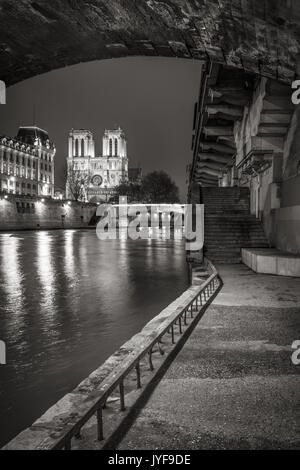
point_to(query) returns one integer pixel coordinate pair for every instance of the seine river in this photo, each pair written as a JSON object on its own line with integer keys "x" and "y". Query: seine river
{"x": 68, "y": 301}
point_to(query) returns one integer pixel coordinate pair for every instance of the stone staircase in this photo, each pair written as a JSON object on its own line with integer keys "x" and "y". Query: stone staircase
{"x": 228, "y": 224}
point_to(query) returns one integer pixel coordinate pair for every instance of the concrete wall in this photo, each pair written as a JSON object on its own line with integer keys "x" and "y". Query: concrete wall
{"x": 287, "y": 229}
{"x": 50, "y": 214}
{"x": 291, "y": 150}
{"x": 287, "y": 217}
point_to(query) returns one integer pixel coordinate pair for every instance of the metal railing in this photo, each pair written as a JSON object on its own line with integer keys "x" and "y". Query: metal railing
{"x": 61, "y": 438}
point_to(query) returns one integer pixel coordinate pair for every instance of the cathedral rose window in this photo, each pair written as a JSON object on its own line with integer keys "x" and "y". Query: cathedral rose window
{"x": 97, "y": 180}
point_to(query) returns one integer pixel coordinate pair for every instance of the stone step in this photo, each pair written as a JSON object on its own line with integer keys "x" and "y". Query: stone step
{"x": 272, "y": 129}
{"x": 223, "y": 201}
{"x": 231, "y": 227}
{"x": 228, "y": 190}
{"x": 233, "y": 244}
{"x": 240, "y": 239}
{"x": 233, "y": 234}
{"x": 219, "y": 209}
{"x": 223, "y": 197}
{"x": 278, "y": 89}
{"x": 232, "y": 224}
{"x": 233, "y": 221}
{"x": 228, "y": 224}
{"x": 219, "y": 218}
{"x": 233, "y": 240}
{"x": 232, "y": 230}
{"x": 224, "y": 256}
{"x": 233, "y": 208}
{"x": 217, "y": 214}
{"x": 236, "y": 240}
{"x": 278, "y": 103}
{"x": 222, "y": 261}
{"x": 238, "y": 215}
{"x": 275, "y": 118}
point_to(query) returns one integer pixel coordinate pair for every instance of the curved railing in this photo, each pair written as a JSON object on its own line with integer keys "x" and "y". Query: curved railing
{"x": 61, "y": 435}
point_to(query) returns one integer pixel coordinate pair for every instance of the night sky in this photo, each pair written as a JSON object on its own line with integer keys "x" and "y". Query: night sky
{"x": 152, "y": 99}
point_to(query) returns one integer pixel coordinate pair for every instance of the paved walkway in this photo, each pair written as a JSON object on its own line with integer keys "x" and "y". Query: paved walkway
{"x": 233, "y": 385}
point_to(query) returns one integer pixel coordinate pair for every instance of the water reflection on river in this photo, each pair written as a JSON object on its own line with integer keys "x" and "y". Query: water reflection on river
{"x": 69, "y": 300}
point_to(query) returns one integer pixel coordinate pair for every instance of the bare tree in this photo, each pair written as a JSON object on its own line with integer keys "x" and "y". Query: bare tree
{"x": 78, "y": 183}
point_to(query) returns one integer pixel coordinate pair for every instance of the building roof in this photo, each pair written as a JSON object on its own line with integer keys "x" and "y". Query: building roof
{"x": 29, "y": 135}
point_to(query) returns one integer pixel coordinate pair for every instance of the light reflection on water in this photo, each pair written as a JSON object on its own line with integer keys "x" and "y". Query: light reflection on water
{"x": 68, "y": 301}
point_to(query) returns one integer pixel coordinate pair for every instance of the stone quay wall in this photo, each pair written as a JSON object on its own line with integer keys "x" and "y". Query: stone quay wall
{"x": 32, "y": 213}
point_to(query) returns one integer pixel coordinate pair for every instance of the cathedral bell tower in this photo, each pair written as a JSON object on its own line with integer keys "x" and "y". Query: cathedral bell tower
{"x": 81, "y": 144}
{"x": 114, "y": 144}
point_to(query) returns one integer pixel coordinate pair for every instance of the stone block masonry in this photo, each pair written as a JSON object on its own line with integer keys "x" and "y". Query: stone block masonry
{"x": 271, "y": 261}
{"x": 31, "y": 213}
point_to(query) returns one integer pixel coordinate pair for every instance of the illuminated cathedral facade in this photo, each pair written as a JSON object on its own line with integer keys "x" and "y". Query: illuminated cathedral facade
{"x": 100, "y": 173}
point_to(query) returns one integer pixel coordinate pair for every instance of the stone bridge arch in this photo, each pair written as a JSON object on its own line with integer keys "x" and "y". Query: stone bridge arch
{"x": 260, "y": 36}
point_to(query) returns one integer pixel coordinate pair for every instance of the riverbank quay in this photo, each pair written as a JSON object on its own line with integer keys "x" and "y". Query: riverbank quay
{"x": 19, "y": 212}
{"x": 92, "y": 414}
{"x": 234, "y": 384}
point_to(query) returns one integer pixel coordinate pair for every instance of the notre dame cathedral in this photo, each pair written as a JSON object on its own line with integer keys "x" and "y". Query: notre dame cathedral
{"x": 105, "y": 171}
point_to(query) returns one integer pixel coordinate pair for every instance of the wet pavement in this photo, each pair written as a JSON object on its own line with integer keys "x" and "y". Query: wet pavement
{"x": 233, "y": 385}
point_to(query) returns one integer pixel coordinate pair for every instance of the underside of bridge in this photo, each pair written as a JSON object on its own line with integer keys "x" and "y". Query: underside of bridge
{"x": 259, "y": 36}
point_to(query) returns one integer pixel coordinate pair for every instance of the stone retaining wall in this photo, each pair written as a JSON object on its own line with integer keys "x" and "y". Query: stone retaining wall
{"x": 31, "y": 213}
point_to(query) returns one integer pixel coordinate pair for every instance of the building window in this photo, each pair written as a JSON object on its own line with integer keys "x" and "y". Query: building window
{"x": 18, "y": 207}
{"x": 4, "y": 156}
{"x": 110, "y": 147}
{"x": 82, "y": 147}
{"x": 116, "y": 147}
{"x": 76, "y": 148}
